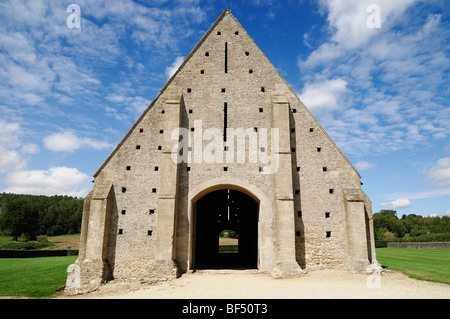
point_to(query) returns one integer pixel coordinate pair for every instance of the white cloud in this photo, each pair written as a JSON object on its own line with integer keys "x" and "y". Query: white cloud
{"x": 440, "y": 173}
{"x": 398, "y": 203}
{"x": 10, "y": 160}
{"x": 348, "y": 18}
{"x": 116, "y": 98}
{"x": 30, "y": 148}
{"x": 324, "y": 95}
{"x": 54, "y": 181}
{"x": 62, "y": 142}
{"x": 421, "y": 195}
{"x": 174, "y": 67}
{"x": 9, "y": 134}
{"x": 67, "y": 141}
{"x": 446, "y": 213}
{"x": 133, "y": 106}
{"x": 137, "y": 105}
{"x": 432, "y": 22}
{"x": 72, "y": 79}
{"x": 362, "y": 165}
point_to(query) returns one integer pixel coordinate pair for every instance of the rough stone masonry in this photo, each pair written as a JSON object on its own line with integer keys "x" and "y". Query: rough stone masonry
{"x": 226, "y": 145}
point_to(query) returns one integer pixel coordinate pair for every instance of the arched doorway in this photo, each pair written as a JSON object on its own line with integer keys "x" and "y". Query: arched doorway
{"x": 226, "y": 230}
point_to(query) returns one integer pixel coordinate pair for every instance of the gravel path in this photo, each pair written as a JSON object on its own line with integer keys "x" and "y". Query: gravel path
{"x": 323, "y": 284}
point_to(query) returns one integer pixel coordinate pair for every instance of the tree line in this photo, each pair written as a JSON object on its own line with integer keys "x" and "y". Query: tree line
{"x": 388, "y": 227}
{"x": 29, "y": 216}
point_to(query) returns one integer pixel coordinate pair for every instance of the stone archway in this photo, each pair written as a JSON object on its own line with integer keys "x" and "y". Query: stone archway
{"x": 266, "y": 231}
{"x": 231, "y": 210}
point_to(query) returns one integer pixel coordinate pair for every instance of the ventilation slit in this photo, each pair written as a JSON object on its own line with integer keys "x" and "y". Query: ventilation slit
{"x": 226, "y": 57}
{"x": 225, "y": 121}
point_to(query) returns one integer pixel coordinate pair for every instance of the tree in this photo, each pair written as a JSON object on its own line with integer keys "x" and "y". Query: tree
{"x": 412, "y": 225}
{"x": 387, "y": 221}
{"x": 20, "y": 217}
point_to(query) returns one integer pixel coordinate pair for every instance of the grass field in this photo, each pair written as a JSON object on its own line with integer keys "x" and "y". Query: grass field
{"x": 423, "y": 264}
{"x": 33, "y": 277}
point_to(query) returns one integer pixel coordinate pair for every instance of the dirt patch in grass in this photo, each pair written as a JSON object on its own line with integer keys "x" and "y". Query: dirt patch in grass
{"x": 65, "y": 242}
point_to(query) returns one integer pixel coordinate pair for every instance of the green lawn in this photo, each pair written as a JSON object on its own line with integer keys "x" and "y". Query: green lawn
{"x": 33, "y": 277}
{"x": 423, "y": 264}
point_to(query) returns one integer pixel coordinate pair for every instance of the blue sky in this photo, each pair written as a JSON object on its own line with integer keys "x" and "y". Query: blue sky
{"x": 69, "y": 95}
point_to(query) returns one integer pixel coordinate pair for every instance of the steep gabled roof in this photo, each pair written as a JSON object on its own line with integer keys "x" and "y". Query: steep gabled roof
{"x": 225, "y": 12}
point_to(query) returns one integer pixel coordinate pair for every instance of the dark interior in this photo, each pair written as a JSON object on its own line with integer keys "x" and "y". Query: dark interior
{"x": 226, "y": 209}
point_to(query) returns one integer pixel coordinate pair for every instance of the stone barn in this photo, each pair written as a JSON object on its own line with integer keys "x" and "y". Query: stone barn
{"x": 225, "y": 169}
